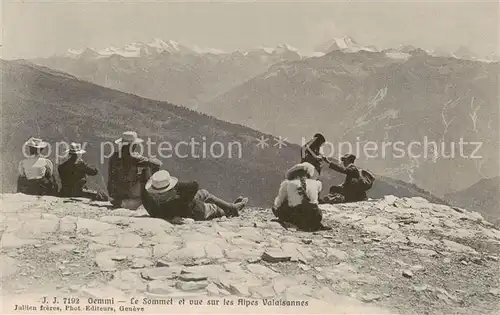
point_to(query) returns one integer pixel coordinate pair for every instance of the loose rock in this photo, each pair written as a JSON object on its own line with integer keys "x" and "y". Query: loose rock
{"x": 192, "y": 277}
{"x": 191, "y": 286}
{"x": 119, "y": 258}
{"x": 159, "y": 287}
{"x": 370, "y": 298}
{"x": 275, "y": 256}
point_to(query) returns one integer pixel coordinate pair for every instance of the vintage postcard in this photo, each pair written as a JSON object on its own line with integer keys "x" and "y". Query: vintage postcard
{"x": 254, "y": 157}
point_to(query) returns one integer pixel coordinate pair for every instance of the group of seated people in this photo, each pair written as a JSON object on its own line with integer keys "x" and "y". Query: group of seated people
{"x": 135, "y": 180}
{"x": 38, "y": 177}
{"x": 299, "y": 194}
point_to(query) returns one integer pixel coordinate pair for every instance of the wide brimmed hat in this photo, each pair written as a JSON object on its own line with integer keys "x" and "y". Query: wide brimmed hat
{"x": 350, "y": 157}
{"x": 129, "y": 137}
{"x": 36, "y": 143}
{"x": 161, "y": 181}
{"x": 307, "y": 167}
{"x": 75, "y": 148}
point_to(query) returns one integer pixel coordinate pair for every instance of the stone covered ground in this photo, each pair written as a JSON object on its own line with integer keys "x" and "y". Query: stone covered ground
{"x": 395, "y": 255}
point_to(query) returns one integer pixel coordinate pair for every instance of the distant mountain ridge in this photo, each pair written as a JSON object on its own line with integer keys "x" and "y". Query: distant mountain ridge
{"x": 158, "y": 46}
{"x": 368, "y": 96}
{"x": 345, "y": 44}
{"x": 483, "y": 197}
{"x": 167, "y": 70}
{"x": 58, "y": 107}
{"x": 135, "y": 49}
{"x": 223, "y": 85}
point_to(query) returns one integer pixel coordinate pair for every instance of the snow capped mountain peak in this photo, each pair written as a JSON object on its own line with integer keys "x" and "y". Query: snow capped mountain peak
{"x": 440, "y": 52}
{"x": 344, "y": 44}
{"x": 109, "y": 51}
{"x": 265, "y": 49}
{"x": 81, "y": 53}
{"x": 158, "y": 42}
{"x": 284, "y": 51}
{"x": 76, "y": 51}
{"x": 161, "y": 46}
{"x": 73, "y": 53}
{"x": 287, "y": 52}
{"x": 464, "y": 52}
{"x": 214, "y": 51}
{"x": 286, "y": 47}
{"x": 134, "y": 49}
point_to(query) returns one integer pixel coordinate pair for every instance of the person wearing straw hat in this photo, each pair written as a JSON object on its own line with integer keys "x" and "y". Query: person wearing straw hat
{"x": 357, "y": 181}
{"x": 73, "y": 173}
{"x": 297, "y": 200}
{"x": 167, "y": 198}
{"x": 36, "y": 173}
{"x": 128, "y": 172}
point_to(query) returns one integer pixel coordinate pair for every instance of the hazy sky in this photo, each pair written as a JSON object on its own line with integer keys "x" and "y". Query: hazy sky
{"x": 38, "y": 28}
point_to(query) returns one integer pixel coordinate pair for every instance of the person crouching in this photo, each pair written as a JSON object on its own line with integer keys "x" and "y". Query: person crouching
{"x": 297, "y": 200}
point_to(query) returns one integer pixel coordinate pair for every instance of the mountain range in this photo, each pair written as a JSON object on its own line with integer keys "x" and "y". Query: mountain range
{"x": 171, "y": 71}
{"x": 167, "y": 70}
{"x": 345, "y": 44}
{"x": 38, "y": 101}
{"x": 369, "y": 97}
{"x": 352, "y": 91}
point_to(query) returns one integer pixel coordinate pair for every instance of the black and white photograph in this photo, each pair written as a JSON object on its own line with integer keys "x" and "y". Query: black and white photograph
{"x": 253, "y": 157}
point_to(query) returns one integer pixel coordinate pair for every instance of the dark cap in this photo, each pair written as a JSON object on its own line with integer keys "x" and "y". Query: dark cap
{"x": 350, "y": 157}
{"x": 320, "y": 137}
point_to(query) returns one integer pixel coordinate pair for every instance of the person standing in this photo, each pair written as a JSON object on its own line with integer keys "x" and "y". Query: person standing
{"x": 311, "y": 152}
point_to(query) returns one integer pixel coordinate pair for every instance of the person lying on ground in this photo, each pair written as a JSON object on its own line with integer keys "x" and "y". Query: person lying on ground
{"x": 297, "y": 200}
{"x": 36, "y": 173}
{"x": 166, "y": 198}
{"x": 73, "y": 174}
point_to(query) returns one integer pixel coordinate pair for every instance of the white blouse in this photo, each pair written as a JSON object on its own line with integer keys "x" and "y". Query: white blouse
{"x": 289, "y": 191}
{"x": 35, "y": 167}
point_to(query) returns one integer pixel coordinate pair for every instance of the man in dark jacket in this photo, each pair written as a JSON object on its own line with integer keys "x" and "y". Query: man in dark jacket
{"x": 128, "y": 172}
{"x": 352, "y": 189}
{"x": 311, "y": 154}
{"x": 166, "y": 198}
{"x": 73, "y": 173}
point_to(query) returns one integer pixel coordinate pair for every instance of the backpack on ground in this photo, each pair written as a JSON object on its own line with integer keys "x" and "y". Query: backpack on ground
{"x": 366, "y": 179}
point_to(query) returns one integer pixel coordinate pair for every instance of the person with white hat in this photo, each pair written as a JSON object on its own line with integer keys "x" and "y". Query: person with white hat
{"x": 167, "y": 198}
{"x": 128, "y": 172}
{"x": 73, "y": 173}
{"x": 297, "y": 200}
{"x": 36, "y": 173}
